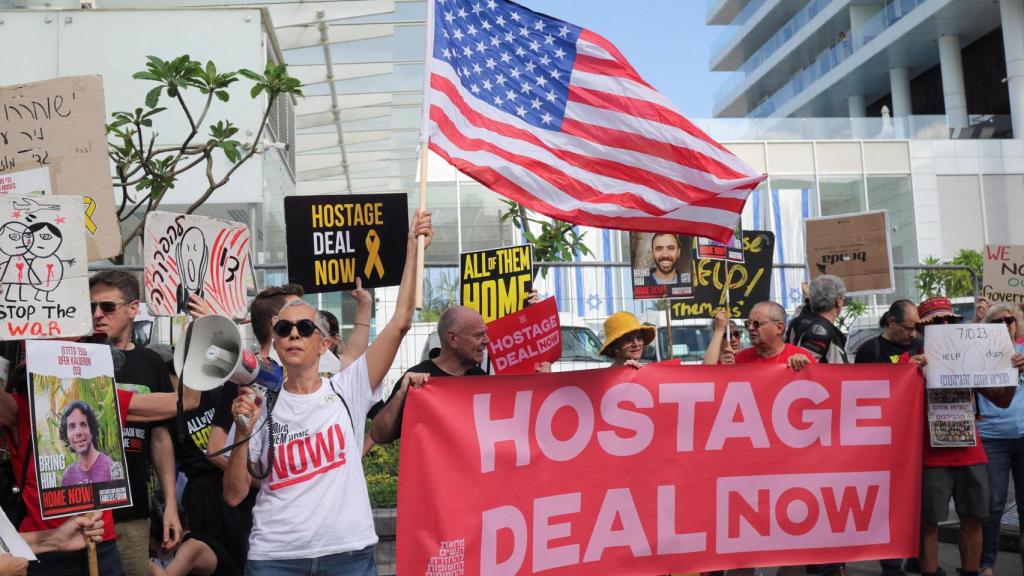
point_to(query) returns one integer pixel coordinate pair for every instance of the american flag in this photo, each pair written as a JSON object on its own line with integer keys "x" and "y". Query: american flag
{"x": 552, "y": 116}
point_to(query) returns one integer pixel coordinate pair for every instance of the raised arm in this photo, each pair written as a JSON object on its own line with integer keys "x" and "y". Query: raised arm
{"x": 360, "y": 336}
{"x": 160, "y": 405}
{"x": 718, "y": 336}
{"x": 382, "y": 353}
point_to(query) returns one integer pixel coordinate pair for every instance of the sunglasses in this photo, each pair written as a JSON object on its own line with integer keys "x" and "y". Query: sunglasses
{"x": 756, "y": 324}
{"x": 107, "y": 306}
{"x": 306, "y": 327}
{"x": 940, "y": 320}
{"x": 1009, "y": 321}
{"x": 734, "y": 335}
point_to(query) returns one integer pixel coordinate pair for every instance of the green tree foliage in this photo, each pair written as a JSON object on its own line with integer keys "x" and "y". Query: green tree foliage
{"x": 553, "y": 240}
{"x": 381, "y": 468}
{"x": 949, "y": 283}
{"x": 145, "y": 174}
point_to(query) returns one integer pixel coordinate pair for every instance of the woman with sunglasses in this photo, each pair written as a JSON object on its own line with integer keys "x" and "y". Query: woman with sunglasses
{"x": 1002, "y": 436}
{"x": 312, "y": 512}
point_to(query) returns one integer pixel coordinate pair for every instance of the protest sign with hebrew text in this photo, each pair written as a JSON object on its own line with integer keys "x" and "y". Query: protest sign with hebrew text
{"x": 521, "y": 340}
{"x": 44, "y": 279}
{"x": 969, "y": 356}
{"x": 662, "y": 469}
{"x": 189, "y": 254}
{"x": 854, "y": 247}
{"x": 496, "y": 282}
{"x": 76, "y": 428}
{"x": 60, "y": 124}
{"x": 334, "y": 239}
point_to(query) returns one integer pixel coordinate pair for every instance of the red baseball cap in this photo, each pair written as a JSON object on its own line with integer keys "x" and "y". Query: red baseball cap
{"x": 933, "y": 308}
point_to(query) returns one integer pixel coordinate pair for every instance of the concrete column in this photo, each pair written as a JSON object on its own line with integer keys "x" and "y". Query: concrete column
{"x": 899, "y": 82}
{"x": 953, "y": 90}
{"x": 856, "y": 105}
{"x": 1012, "y": 16}
{"x": 859, "y": 14}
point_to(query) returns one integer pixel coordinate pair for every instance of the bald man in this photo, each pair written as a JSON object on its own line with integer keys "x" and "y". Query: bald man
{"x": 464, "y": 339}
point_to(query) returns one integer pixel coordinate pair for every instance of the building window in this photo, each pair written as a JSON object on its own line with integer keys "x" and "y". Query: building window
{"x": 962, "y": 225}
{"x": 893, "y": 194}
{"x": 1003, "y": 209}
{"x": 841, "y": 194}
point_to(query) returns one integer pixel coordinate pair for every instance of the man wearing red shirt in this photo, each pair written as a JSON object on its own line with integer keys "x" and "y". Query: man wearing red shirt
{"x": 766, "y": 325}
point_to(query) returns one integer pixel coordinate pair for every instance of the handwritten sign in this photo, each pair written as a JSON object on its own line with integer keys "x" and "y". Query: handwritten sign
{"x": 496, "y": 282}
{"x": 334, "y": 239}
{"x": 1003, "y": 273}
{"x": 969, "y": 356}
{"x": 188, "y": 254}
{"x": 61, "y": 125}
{"x": 43, "y": 271}
{"x": 523, "y": 339}
{"x": 854, "y": 247}
{"x": 717, "y": 283}
{"x": 76, "y": 420}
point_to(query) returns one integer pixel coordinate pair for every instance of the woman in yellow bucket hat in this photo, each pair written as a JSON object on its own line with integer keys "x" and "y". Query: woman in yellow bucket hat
{"x": 625, "y": 338}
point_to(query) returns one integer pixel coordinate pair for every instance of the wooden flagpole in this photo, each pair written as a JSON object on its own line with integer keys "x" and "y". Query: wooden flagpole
{"x": 420, "y": 242}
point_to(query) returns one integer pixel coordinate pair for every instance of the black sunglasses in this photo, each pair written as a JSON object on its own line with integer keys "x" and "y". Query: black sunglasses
{"x": 306, "y": 327}
{"x": 939, "y": 320}
{"x": 107, "y": 306}
{"x": 735, "y": 335}
{"x": 1009, "y": 320}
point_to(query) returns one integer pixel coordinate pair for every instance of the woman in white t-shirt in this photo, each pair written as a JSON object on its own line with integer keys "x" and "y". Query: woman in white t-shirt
{"x": 312, "y": 513}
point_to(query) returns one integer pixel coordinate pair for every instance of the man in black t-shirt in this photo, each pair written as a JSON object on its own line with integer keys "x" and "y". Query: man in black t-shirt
{"x": 898, "y": 337}
{"x": 115, "y": 302}
{"x": 464, "y": 339}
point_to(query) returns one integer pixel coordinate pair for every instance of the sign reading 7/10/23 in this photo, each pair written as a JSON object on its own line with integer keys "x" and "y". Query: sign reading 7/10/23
{"x": 334, "y": 239}
{"x": 496, "y": 282}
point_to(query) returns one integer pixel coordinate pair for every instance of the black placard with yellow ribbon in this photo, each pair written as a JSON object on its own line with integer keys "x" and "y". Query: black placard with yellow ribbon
{"x": 333, "y": 239}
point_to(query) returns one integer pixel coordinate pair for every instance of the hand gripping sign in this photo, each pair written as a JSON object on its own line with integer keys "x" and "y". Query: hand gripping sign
{"x": 662, "y": 469}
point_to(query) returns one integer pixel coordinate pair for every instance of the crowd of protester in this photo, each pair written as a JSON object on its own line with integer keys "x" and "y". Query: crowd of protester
{"x": 228, "y": 499}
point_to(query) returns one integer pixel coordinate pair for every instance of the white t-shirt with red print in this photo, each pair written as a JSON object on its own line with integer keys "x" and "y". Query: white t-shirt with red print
{"x": 314, "y": 502}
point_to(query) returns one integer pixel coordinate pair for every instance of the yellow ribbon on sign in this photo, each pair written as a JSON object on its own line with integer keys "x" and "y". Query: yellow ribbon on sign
{"x": 373, "y": 260}
{"x": 90, "y": 209}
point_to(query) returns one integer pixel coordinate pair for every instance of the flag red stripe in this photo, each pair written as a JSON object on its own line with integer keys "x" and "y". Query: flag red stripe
{"x": 510, "y": 189}
{"x": 597, "y": 39}
{"x": 594, "y": 65}
{"x": 557, "y": 178}
{"x": 640, "y": 108}
{"x": 676, "y": 188}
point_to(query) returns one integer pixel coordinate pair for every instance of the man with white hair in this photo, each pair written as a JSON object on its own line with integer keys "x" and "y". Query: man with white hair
{"x": 814, "y": 328}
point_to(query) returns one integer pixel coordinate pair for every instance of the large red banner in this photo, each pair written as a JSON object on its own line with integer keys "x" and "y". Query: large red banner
{"x": 662, "y": 469}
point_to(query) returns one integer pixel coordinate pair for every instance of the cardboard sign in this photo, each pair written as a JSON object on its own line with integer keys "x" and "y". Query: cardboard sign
{"x": 748, "y": 283}
{"x": 334, "y": 239}
{"x": 854, "y": 247}
{"x": 43, "y": 269}
{"x": 496, "y": 282}
{"x": 951, "y": 421}
{"x": 662, "y": 469}
{"x": 61, "y": 125}
{"x": 521, "y": 340}
{"x": 1003, "y": 273}
{"x": 969, "y": 356}
{"x": 76, "y": 420}
{"x": 662, "y": 265}
{"x": 188, "y": 254}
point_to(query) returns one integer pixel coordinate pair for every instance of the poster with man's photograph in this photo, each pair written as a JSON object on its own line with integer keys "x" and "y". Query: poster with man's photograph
{"x": 951, "y": 420}
{"x": 662, "y": 265}
{"x": 76, "y": 428}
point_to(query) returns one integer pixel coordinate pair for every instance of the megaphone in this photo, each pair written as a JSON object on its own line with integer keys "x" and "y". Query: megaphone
{"x": 212, "y": 354}
{"x": 213, "y": 347}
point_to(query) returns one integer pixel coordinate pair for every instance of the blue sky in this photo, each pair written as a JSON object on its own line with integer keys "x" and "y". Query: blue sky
{"x": 665, "y": 40}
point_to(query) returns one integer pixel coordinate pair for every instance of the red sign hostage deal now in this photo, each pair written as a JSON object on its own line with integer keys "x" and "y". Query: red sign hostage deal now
{"x": 526, "y": 338}
{"x": 664, "y": 469}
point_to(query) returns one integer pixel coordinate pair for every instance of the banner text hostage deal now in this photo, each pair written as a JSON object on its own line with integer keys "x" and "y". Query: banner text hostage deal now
{"x": 662, "y": 469}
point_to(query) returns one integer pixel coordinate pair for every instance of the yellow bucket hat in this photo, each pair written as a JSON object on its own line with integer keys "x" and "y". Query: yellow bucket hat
{"x": 621, "y": 323}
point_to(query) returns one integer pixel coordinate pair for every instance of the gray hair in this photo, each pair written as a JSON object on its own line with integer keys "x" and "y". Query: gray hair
{"x": 1002, "y": 308}
{"x": 318, "y": 318}
{"x": 824, "y": 291}
{"x": 774, "y": 310}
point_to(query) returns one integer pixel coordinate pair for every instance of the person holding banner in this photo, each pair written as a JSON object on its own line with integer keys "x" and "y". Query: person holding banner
{"x": 898, "y": 338}
{"x": 766, "y": 325}
{"x": 814, "y": 328}
{"x": 315, "y": 512}
{"x": 1002, "y": 436}
{"x": 624, "y": 339}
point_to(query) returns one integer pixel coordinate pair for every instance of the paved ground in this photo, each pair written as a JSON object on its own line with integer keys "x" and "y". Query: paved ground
{"x": 1007, "y": 563}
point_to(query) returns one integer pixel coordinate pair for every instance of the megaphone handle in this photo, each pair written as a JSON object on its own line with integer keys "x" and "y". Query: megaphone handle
{"x": 241, "y": 420}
